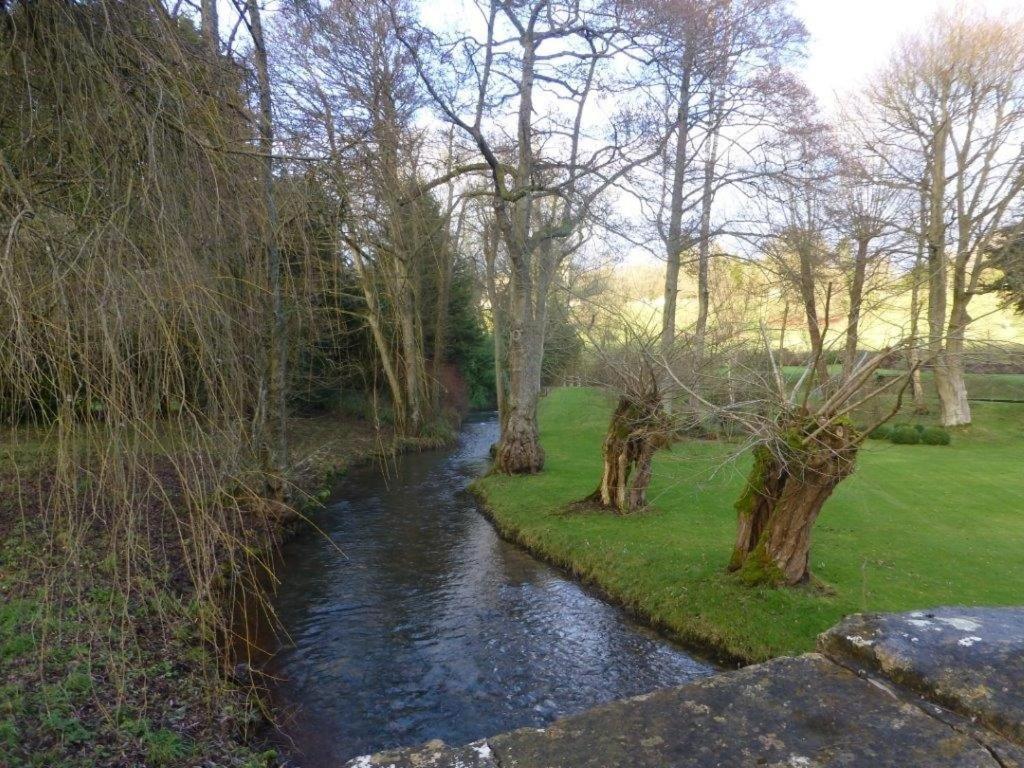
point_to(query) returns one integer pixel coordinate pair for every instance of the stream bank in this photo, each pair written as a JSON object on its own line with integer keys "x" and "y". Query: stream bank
{"x": 411, "y": 619}
{"x": 73, "y": 694}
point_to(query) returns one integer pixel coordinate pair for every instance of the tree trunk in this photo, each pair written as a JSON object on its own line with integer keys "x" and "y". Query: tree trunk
{"x": 914, "y": 348}
{"x": 519, "y": 451}
{"x": 674, "y": 241}
{"x": 373, "y": 315}
{"x": 760, "y": 495}
{"x": 704, "y": 248}
{"x": 781, "y": 502}
{"x": 405, "y": 306}
{"x": 628, "y": 452}
{"x": 499, "y": 327}
{"x": 807, "y": 295}
{"x": 949, "y": 369}
{"x": 275, "y": 445}
{"x": 945, "y": 367}
{"x": 949, "y": 381}
{"x": 856, "y": 298}
{"x": 210, "y": 29}
{"x": 949, "y": 373}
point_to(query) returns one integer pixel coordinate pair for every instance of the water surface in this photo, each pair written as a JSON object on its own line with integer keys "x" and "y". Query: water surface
{"x": 412, "y": 620}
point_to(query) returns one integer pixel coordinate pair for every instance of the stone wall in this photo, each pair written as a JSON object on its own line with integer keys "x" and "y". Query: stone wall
{"x": 934, "y": 689}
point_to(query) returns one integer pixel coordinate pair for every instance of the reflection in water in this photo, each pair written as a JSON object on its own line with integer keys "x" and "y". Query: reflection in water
{"x": 416, "y": 622}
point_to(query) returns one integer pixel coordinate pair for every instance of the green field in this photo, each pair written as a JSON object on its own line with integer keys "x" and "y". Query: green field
{"x": 914, "y": 527}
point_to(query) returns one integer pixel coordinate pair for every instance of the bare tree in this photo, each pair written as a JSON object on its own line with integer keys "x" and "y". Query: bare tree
{"x": 953, "y": 97}
{"x": 353, "y": 95}
{"x": 798, "y": 192}
{"x": 868, "y": 215}
{"x": 716, "y": 61}
{"x": 539, "y": 69}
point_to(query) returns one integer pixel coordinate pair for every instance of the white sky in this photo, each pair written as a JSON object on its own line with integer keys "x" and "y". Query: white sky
{"x": 852, "y": 38}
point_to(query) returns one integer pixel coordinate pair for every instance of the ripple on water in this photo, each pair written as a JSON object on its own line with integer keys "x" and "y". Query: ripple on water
{"x": 426, "y": 625}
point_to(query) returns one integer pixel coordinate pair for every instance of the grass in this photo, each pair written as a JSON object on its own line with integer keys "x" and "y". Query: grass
{"x": 914, "y": 527}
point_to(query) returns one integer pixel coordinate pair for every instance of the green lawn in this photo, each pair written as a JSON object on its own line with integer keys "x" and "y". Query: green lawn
{"x": 915, "y": 526}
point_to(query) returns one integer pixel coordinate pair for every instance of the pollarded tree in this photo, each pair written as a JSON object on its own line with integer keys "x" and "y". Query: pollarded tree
{"x": 802, "y": 451}
{"x": 640, "y": 425}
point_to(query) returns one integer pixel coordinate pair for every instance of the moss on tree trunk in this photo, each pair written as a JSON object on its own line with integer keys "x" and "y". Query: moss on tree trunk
{"x": 790, "y": 481}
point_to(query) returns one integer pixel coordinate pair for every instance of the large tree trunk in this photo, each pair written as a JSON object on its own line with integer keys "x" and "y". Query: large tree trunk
{"x": 914, "y": 348}
{"x": 499, "y": 326}
{"x": 860, "y": 264}
{"x": 949, "y": 374}
{"x": 760, "y": 495}
{"x": 519, "y": 450}
{"x": 949, "y": 368}
{"x": 782, "y": 501}
{"x": 947, "y": 363}
{"x": 274, "y": 444}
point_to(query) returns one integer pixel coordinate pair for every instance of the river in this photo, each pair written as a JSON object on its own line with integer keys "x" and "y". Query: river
{"x": 409, "y": 619}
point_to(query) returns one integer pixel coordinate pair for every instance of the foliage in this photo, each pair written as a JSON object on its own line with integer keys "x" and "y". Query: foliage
{"x": 1008, "y": 260}
{"x": 905, "y": 434}
{"x": 470, "y": 346}
{"x": 935, "y": 436}
{"x": 881, "y": 432}
{"x": 562, "y": 342}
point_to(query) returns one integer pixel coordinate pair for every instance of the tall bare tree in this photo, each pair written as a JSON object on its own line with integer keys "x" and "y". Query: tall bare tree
{"x": 953, "y": 97}
{"x": 716, "y": 60}
{"x": 353, "y": 95}
{"x": 867, "y": 212}
{"x": 525, "y": 97}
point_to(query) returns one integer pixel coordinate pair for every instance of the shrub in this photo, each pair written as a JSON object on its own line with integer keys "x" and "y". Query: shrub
{"x": 935, "y": 436}
{"x": 881, "y": 432}
{"x": 919, "y": 428}
{"x": 905, "y": 435}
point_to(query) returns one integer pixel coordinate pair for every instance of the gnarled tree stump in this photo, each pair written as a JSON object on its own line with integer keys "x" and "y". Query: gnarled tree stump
{"x": 792, "y": 477}
{"x": 638, "y": 428}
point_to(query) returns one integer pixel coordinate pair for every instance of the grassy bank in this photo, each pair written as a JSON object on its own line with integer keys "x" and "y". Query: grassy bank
{"x": 94, "y": 674}
{"x": 915, "y": 526}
